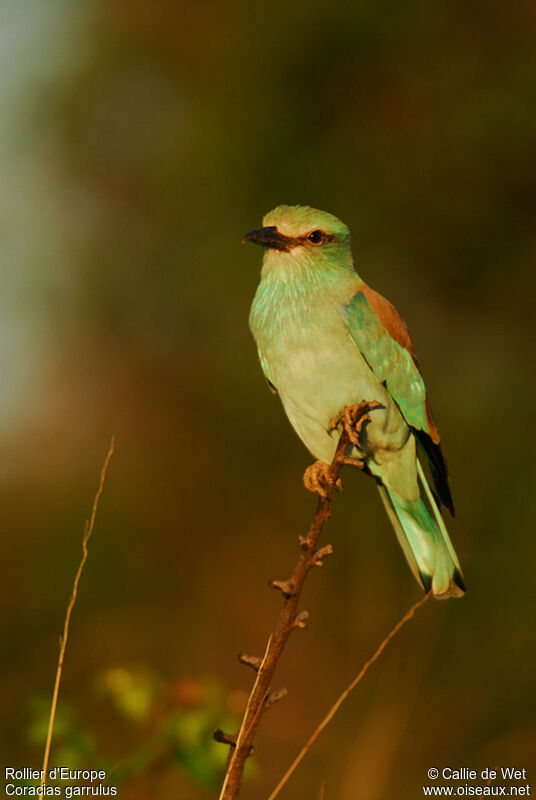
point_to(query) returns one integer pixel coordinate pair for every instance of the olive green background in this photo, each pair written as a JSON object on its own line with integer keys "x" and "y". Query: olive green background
{"x": 139, "y": 142}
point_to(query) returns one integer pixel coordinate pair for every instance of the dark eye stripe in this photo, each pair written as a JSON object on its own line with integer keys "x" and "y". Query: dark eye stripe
{"x": 288, "y": 242}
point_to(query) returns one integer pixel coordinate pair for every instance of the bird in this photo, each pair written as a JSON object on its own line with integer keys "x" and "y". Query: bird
{"x": 329, "y": 345}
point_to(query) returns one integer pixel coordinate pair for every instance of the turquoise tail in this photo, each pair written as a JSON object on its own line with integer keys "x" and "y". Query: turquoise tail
{"x": 424, "y": 539}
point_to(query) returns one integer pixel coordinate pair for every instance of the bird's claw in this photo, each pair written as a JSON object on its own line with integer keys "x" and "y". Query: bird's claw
{"x": 318, "y": 478}
{"x": 353, "y": 418}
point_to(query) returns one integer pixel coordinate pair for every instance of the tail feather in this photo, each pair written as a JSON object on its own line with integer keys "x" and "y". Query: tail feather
{"x": 424, "y": 539}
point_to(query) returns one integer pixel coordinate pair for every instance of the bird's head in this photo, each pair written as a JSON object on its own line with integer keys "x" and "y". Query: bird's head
{"x": 301, "y": 236}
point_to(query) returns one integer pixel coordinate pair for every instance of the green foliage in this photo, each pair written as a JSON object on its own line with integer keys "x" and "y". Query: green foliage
{"x": 74, "y": 744}
{"x": 167, "y": 725}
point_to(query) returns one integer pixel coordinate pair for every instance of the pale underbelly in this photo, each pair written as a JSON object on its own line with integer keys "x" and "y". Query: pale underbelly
{"x": 316, "y": 383}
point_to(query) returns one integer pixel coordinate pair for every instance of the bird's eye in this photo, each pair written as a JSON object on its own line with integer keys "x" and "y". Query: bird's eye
{"x": 316, "y": 237}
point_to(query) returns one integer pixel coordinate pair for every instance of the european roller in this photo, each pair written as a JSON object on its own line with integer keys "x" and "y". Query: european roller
{"x": 328, "y": 342}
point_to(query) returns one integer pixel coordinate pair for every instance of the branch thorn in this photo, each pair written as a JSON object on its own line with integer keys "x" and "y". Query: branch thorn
{"x": 300, "y": 620}
{"x": 224, "y": 738}
{"x": 285, "y": 587}
{"x": 228, "y": 738}
{"x": 321, "y": 553}
{"x": 250, "y": 661}
{"x": 273, "y": 697}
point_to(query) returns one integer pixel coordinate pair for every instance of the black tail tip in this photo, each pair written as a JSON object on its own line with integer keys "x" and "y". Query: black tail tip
{"x": 458, "y": 580}
{"x": 426, "y": 581}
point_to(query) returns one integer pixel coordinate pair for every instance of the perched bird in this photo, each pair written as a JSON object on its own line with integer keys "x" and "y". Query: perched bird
{"x": 327, "y": 341}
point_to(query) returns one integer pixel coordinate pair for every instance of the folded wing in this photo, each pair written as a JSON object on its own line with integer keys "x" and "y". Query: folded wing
{"x": 382, "y": 337}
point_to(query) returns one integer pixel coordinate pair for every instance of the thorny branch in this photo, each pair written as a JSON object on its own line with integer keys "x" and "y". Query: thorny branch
{"x": 322, "y": 481}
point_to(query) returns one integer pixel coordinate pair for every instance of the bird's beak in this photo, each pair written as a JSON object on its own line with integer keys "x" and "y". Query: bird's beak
{"x": 267, "y": 237}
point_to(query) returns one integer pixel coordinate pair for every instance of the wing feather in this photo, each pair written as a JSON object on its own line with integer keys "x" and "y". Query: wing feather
{"x": 382, "y": 336}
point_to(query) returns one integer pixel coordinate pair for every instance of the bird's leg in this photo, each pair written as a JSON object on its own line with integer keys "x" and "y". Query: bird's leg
{"x": 352, "y": 419}
{"x": 319, "y": 479}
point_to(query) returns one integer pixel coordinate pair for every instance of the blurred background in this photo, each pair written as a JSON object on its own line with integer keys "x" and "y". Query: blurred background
{"x": 139, "y": 141}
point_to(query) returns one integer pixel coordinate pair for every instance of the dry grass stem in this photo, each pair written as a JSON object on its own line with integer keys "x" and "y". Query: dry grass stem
{"x": 340, "y": 700}
{"x": 88, "y": 530}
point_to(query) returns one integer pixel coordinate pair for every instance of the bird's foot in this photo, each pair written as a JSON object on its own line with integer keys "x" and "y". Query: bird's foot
{"x": 318, "y": 478}
{"x": 353, "y": 418}
{"x": 348, "y": 461}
